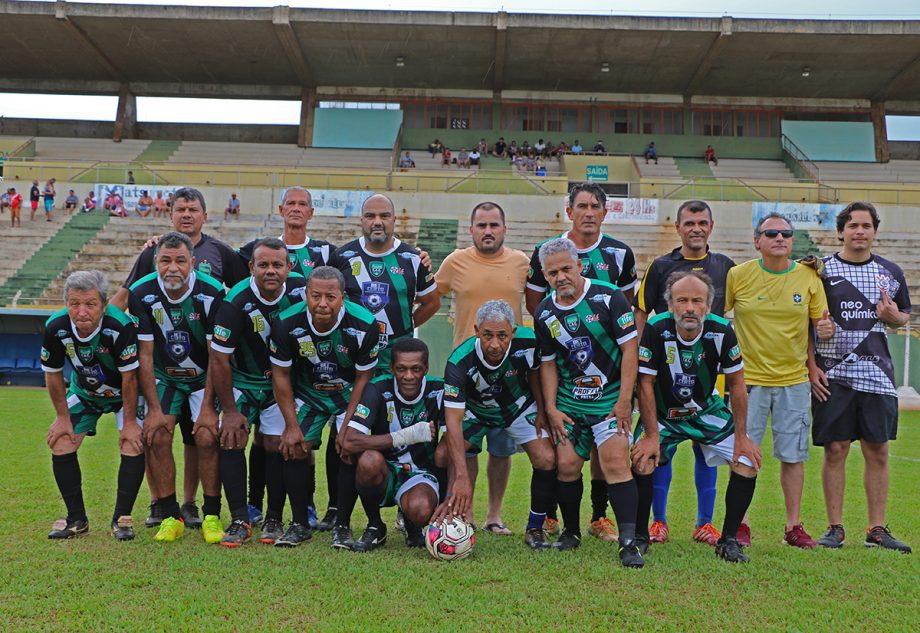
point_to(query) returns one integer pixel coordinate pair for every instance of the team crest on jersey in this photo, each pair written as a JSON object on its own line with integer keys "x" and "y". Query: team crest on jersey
{"x": 683, "y": 386}
{"x": 178, "y": 345}
{"x": 580, "y": 351}
{"x": 324, "y": 348}
{"x": 375, "y": 295}
{"x": 796, "y": 297}
{"x": 883, "y": 283}
{"x": 85, "y": 353}
{"x": 585, "y": 266}
{"x": 376, "y": 268}
{"x": 175, "y": 315}
{"x": 686, "y": 358}
{"x": 406, "y": 417}
{"x": 205, "y": 267}
{"x": 572, "y": 323}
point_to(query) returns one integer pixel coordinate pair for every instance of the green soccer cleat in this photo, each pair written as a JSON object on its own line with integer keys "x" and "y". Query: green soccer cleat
{"x": 212, "y": 530}
{"x": 171, "y": 529}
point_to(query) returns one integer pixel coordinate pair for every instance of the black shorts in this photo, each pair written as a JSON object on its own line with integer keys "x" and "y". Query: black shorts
{"x": 849, "y": 415}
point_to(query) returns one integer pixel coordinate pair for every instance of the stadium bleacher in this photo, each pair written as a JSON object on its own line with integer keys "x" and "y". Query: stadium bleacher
{"x": 752, "y": 169}
{"x": 278, "y": 155}
{"x": 895, "y": 171}
{"x": 89, "y": 149}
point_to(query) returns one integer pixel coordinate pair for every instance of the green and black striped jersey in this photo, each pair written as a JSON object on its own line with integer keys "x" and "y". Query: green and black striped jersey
{"x": 686, "y": 371}
{"x": 383, "y": 410}
{"x": 324, "y": 364}
{"x": 496, "y": 395}
{"x": 609, "y": 260}
{"x": 584, "y": 339}
{"x": 243, "y": 327}
{"x": 304, "y": 257}
{"x": 387, "y": 285}
{"x": 97, "y": 360}
{"x": 180, "y": 330}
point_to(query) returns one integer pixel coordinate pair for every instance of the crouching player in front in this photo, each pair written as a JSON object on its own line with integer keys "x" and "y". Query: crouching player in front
{"x": 392, "y": 437}
{"x": 101, "y": 343}
{"x": 491, "y": 381}
{"x": 681, "y": 354}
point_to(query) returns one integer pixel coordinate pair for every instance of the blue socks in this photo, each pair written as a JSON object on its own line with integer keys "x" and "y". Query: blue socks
{"x": 705, "y": 478}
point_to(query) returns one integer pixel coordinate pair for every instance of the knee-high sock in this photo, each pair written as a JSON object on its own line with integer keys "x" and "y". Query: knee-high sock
{"x": 645, "y": 491}
{"x": 333, "y": 461}
{"x": 311, "y": 465}
{"x": 598, "y": 499}
{"x": 233, "y": 476}
{"x": 542, "y": 496}
{"x": 70, "y": 483}
{"x": 738, "y": 498}
{"x": 441, "y": 475}
{"x": 348, "y": 495}
{"x": 295, "y": 481}
{"x": 274, "y": 483}
{"x": 705, "y": 478}
{"x": 130, "y": 477}
{"x": 257, "y": 459}
{"x": 371, "y": 498}
{"x": 568, "y": 496}
{"x": 661, "y": 482}
{"x": 624, "y": 499}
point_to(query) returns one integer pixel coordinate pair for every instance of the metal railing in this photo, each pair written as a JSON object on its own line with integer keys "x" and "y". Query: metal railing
{"x": 806, "y": 164}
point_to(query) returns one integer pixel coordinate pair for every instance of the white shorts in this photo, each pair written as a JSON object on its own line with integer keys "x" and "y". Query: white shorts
{"x": 414, "y": 481}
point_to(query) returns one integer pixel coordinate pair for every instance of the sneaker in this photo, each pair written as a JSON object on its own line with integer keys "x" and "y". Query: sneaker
{"x": 311, "y": 517}
{"x": 238, "y": 533}
{"x": 658, "y": 533}
{"x": 294, "y": 535}
{"x": 833, "y": 537}
{"x": 374, "y": 536}
{"x": 63, "y": 528}
{"x": 642, "y": 542}
{"x": 535, "y": 538}
{"x": 551, "y": 527}
{"x": 328, "y": 520}
{"x": 798, "y": 537}
{"x": 400, "y": 523}
{"x": 630, "y": 555}
{"x": 567, "y": 540}
{"x": 342, "y": 538}
{"x": 743, "y": 535}
{"x": 603, "y": 529}
{"x": 415, "y": 538}
{"x": 123, "y": 528}
{"x": 155, "y": 516}
{"x": 170, "y": 530}
{"x": 272, "y": 530}
{"x": 881, "y": 537}
{"x": 255, "y": 515}
{"x": 730, "y": 550}
{"x": 212, "y": 530}
{"x": 190, "y": 515}
{"x": 707, "y": 534}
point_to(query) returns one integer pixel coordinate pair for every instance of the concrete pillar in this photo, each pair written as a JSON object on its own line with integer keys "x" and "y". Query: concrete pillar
{"x": 880, "y": 131}
{"x": 125, "y": 115}
{"x": 496, "y": 114}
{"x": 688, "y": 116}
{"x": 307, "y": 105}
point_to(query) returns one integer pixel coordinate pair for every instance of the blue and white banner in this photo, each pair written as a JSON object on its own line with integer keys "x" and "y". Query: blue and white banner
{"x": 638, "y": 210}
{"x": 336, "y": 201}
{"x": 130, "y": 194}
{"x": 803, "y": 215}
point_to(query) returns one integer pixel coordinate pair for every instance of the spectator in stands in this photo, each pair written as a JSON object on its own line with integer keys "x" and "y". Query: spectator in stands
{"x": 531, "y": 165}
{"x": 160, "y": 207}
{"x": 130, "y": 179}
{"x": 463, "y": 159}
{"x": 15, "y": 207}
{"x": 599, "y": 147}
{"x": 651, "y": 153}
{"x": 435, "y": 148}
{"x": 89, "y": 202}
{"x": 4, "y": 201}
{"x": 525, "y": 148}
{"x": 169, "y": 201}
{"x": 500, "y": 150}
{"x": 115, "y": 205}
{"x": 445, "y": 157}
{"x": 513, "y": 151}
{"x": 233, "y": 207}
{"x": 519, "y": 161}
{"x": 539, "y": 147}
{"x": 483, "y": 147}
{"x": 576, "y": 148}
{"x": 406, "y": 162}
{"x": 144, "y": 205}
{"x": 710, "y": 155}
{"x": 541, "y": 166}
{"x": 549, "y": 150}
{"x": 475, "y": 157}
{"x": 561, "y": 149}
{"x": 35, "y": 194}
{"x": 71, "y": 202}
{"x": 49, "y": 194}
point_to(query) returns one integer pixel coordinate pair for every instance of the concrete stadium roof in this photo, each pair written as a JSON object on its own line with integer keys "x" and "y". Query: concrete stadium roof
{"x": 274, "y": 53}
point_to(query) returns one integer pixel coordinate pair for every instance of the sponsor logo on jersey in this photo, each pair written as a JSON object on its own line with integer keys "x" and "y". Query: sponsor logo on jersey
{"x": 735, "y": 352}
{"x": 580, "y": 351}
{"x": 429, "y": 277}
{"x": 178, "y": 345}
{"x": 376, "y": 268}
{"x": 248, "y": 306}
{"x": 361, "y": 411}
{"x": 149, "y": 298}
{"x": 194, "y": 316}
{"x": 221, "y": 333}
{"x": 588, "y": 388}
{"x": 396, "y": 270}
{"x": 645, "y": 354}
{"x": 572, "y": 322}
{"x": 602, "y": 266}
{"x": 85, "y": 353}
{"x": 796, "y": 297}
{"x": 325, "y": 371}
{"x": 510, "y": 373}
{"x": 450, "y": 390}
{"x": 62, "y": 333}
{"x": 544, "y": 314}
{"x": 667, "y": 335}
{"x": 520, "y": 353}
{"x": 592, "y": 318}
{"x": 129, "y": 352}
{"x": 45, "y": 354}
{"x": 686, "y": 358}
{"x": 102, "y": 349}
{"x": 92, "y": 376}
{"x": 406, "y": 417}
{"x": 375, "y": 295}
{"x": 298, "y": 331}
{"x": 324, "y": 348}
{"x": 683, "y": 386}
{"x": 353, "y": 332}
{"x": 109, "y": 332}
{"x": 853, "y": 358}
{"x": 341, "y": 349}
{"x": 298, "y": 292}
{"x": 609, "y": 250}
{"x": 348, "y": 254}
{"x": 626, "y": 319}
{"x": 306, "y": 262}
{"x": 711, "y": 336}
{"x": 598, "y": 298}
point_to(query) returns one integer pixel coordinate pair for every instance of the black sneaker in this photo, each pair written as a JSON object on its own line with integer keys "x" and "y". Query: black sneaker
{"x": 123, "y": 528}
{"x": 63, "y": 528}
{"x": 155, "y": 517}
{"x": 236, "y": 534}
{"x": 294, "y": 535}
{"x": 374, "y": 536}
{"x": 272, "y": 530}
{"x": 189, "y": 514}
{"x": 881, "y": 537}
{"x": 567, "y": 540}
{"x": 833, "y": 537}
{"x": 328, "y": 520}
{"x": 415, "y": 537}
{"x": 535, "y": 539}
{"x": 400, "y": 523}
{"x": 342, "y": 538}
{"x": 630, "y": 556}
{"x": 643, "y": 542}
{"x": 728, "y": 549}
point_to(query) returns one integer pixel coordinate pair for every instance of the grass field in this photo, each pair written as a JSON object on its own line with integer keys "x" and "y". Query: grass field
{"x": 95, "y": 583}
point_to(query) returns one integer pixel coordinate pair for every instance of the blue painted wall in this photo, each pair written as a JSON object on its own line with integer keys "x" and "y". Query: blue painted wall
{"x": 833, "y": 140}
{"x": 359, "y": 129}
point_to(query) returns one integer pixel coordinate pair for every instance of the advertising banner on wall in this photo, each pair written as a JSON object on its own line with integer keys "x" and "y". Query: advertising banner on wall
{"x": 336, "y": 201}
{"x": 802, "y": 214}
{"x": 129, "y": 194}
{"x": 638, "y": 210}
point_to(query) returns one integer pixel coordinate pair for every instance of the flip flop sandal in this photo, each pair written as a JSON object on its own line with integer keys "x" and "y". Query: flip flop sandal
{"x": 497, "y": 528}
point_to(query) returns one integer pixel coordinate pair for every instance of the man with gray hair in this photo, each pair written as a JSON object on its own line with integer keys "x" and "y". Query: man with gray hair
{"x": 100, "y": 341}
{"x": 777, "y": 299}
{"x": 492, "y": 381}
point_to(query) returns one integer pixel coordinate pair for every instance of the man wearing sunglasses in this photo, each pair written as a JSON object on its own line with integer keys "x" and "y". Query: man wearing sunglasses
{"x": 775, "y": 300}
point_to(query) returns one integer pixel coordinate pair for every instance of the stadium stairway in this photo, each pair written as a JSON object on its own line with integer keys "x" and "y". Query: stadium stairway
{"x": 21, "y": 243}
{"x": 693, "y": 168}
{"x": 158, "y": 151}
{"x": 55, "y": 255}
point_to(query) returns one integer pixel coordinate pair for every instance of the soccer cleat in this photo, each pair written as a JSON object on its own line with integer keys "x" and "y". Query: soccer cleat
{"x": 415, "y": 538}
{"x": 155, "y": 517}
{"x": 630, "y": 555}
{"x": 294, "y": 535}
{"x": 658, "y": 533}
{"x": 603, "y": 529}
{"x": 833, "y": 538}
{"x": 328, "y": 520}
{"x": 744, "y": 535}
{"x": 170, "y": 530}
{"x": 400, "y": 523}
{"x": 311, "y": 517}
{"x": 342, "y": 538}
{"x": 212, "y": 530}
{"x": 374, "y": 536}
{"x": 798, "y": 537}
{"x": 63, "y": 529}
{"x": 567, "y": 540}
{"x": 729, "y": 550}
{"x": 272, "y": 530}
{"x": 880, "y": 536}
{"x": 535, "y": 539}
{"x": 706, "y": 533}
{"x": 123, "y": 528}
{"x": 255, "y": 515}
{"x": 642, "y": 542}
{"x": 237, "y": 533}
{"x": 551, "y": 527}
{"x": 190, "y": 515}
